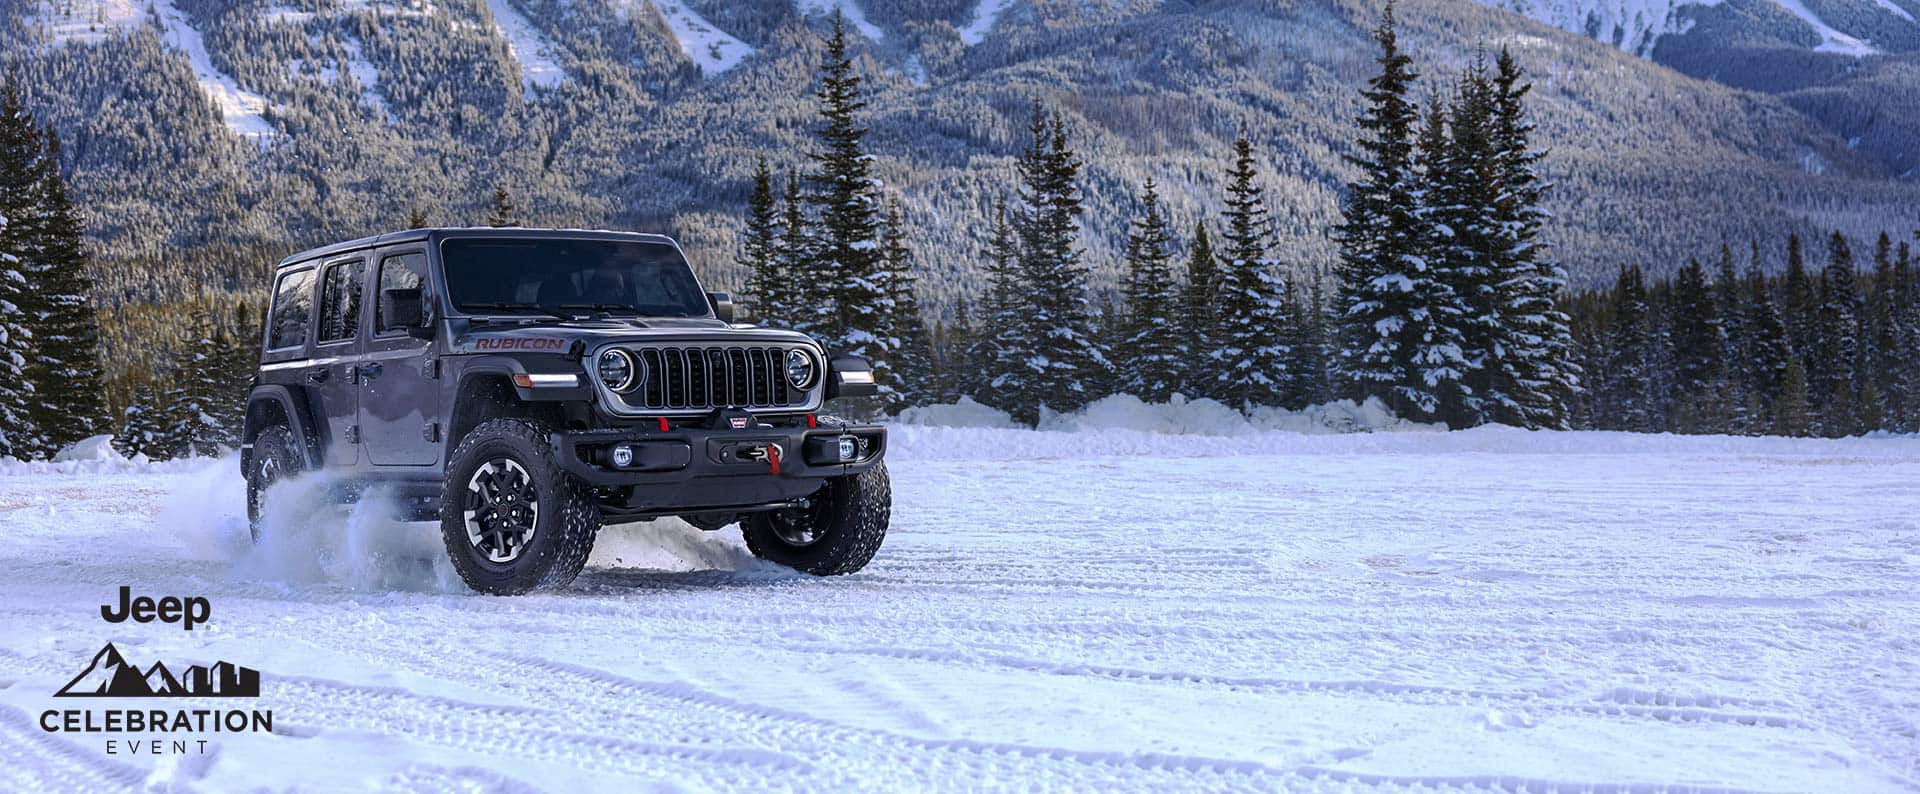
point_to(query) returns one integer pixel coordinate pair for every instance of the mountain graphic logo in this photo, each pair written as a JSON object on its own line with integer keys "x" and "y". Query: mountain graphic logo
{"x": 111, "y": 676}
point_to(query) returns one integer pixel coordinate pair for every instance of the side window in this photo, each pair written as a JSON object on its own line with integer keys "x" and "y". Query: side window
{"x": 292, "y": 310}
{"x": 402, "y": 277}
{"x": 340, "y": 301}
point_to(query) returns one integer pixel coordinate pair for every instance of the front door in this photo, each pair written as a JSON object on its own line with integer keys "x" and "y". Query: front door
{"x": 400, "y": 392}
{"x": 333, "y": 371}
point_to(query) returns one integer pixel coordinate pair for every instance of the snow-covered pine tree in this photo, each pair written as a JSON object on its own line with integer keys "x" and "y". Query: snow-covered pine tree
{"x": 1151, "y": 350}
{"x": 500, "y": 209}
{"x": 845, "y": 197}
{"x": 1767, "y": 351}
{"x": 902, "y": 326}
{"x": 1801, "y": 304}
{"x": 1880, "y": 354}
{"x": 759, "y": 249}
{"x": 1792, "y": 415}
{"x": 1067, "y": 362}
{"x": 1200, "y": 316}
{"x": 1308, "y": 349}
{"x": 65, "y": 367}
{"x": 1002, "y": 345}
{"x": 21, "y": 216}
{"x": 140, "y": 432}
{"x": 1534, "y": 374}
{"x": 802, "y": 305}
{"x": 1459, "y": 186}
{"x": 1630, "y": 381}
{"x": 1256, "y": 319}
{"x": 1906, "y": 311}
{"x": 1832, "y": 381}
{"x": 1391, "y": 346}
{"x": 1697, "y": 348}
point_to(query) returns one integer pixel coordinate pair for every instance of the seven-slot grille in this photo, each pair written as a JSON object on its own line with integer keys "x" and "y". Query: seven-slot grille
{"x": 687, "y": 378}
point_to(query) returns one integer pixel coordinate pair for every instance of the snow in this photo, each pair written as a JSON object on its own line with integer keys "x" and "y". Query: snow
{"x": 93, "y": 448}
{"x": 712, "y": 49}
{"x": 243, "y": 110}
{"x": 849, "y": 10}
{"x": 85, "y": 21}
{"x": 984, "y": 15}
{"x": 368, "y": 79}
{"x": 1830, "y": 40}
{"x": 1895, "y": 9}
{"x": 538, "y": 57}
{"x": 1104, "y": 609}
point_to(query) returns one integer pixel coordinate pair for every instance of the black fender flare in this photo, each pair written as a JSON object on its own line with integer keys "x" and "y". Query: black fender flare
{"x": 512, "y": 367}
{"x": 269, "y": 401}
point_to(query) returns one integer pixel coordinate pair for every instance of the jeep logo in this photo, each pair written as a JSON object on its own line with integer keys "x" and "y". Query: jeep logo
{"x": 520, "y": 343}
{"x": 184, "y": 611}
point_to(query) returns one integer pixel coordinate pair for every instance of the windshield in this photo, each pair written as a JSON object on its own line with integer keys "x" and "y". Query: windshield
{"x": 570, "y": 277}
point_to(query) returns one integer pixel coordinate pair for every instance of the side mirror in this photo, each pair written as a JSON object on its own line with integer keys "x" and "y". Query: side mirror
{"x": 722, "y": 304}
{"x": 851, "y": 376}
{"x": 406, "y": 309}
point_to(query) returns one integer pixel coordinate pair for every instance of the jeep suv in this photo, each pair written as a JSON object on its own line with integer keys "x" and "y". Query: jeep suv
{"x": 525, "y": 386}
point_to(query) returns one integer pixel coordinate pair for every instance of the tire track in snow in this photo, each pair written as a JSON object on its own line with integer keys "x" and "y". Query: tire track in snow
{"x": 37, "y": 761}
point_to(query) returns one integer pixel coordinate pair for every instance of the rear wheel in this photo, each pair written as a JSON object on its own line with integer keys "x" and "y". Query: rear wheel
{"x": 511, "y": 518}
{"x": 273, "y": 460}
{"x": 837, "y": 532}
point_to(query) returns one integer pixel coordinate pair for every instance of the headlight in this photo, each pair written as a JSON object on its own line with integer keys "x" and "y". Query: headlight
{"x": 799, "y": 369}
{"x": 619, "y": 370}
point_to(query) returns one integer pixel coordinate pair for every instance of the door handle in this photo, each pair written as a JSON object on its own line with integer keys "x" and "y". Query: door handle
{"x": 319, "y": 375}
{"x": 371, "y": 370}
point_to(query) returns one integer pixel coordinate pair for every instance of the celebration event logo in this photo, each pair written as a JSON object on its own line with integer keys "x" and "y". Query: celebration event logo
{"x": 111, "y": 675}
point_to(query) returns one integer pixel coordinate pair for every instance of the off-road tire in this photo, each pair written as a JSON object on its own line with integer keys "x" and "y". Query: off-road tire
{"x": 853, "y": 511}
{"x": 564, "y": 527}
{"x": 273, "y": 461}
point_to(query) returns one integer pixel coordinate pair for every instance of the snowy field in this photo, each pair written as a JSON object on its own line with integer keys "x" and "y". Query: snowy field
{"x": 1094, "y": 610}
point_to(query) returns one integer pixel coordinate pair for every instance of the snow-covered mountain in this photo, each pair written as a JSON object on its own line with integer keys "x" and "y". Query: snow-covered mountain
{"x": 1855, "y": 28}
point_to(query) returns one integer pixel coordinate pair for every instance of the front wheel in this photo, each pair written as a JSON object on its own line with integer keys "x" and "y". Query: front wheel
{"x": 837, "y": 532}
{"x": 511, "y": 518}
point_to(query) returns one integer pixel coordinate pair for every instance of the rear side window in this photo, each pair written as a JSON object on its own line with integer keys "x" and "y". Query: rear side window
{"x": 402, "y": 276}
{"x": 340, "y": 301}
{"x": 292, "y": 310}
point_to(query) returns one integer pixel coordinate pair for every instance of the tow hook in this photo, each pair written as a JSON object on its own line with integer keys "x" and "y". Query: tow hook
{"x": 771, "y": 453}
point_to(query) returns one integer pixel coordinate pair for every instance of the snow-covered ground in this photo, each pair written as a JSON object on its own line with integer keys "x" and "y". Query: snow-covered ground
{"x": 1091, "y": 610}
{"x": 712, "y": 49}
{"x": 537, "y": 55}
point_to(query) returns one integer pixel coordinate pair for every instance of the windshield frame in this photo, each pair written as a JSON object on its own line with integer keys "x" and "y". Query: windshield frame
{"x": 447, "y": 268}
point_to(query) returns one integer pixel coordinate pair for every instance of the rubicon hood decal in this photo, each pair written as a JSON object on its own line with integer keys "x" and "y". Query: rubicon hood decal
{"x": 524, "y": 344}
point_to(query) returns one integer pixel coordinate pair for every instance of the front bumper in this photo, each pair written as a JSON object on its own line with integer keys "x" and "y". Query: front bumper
{"x": 698, "y": 469}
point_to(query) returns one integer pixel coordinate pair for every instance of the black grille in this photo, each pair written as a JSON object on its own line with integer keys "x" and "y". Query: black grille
{"x": 701, "y": 378}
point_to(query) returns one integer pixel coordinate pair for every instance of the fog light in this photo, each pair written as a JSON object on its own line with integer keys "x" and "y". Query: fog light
{"x": 623, "y": 456}
{"x": 847, "y": 448}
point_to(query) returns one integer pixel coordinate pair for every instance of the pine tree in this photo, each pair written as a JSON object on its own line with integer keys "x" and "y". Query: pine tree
{"x": 1002, "y": 346}
{"x": 802, "y": 306}
{"x": 1066, "y": 361}
{"x": 1801, "y": 310}
{"x": 1252, "y": 356}
{"x": 1630, "y": 385}
{"x": 65, "y": 368}
{"x": 759, "y": 251}
{"x": 21, "y": 152}
{"x": 1906, "y": 312}
{"x": 1767, "y": 351}
{"x": 1310, "y": 349}
{"x": 1200, "y": 316}
{"x": 1838, "y": 345}
{"x": 1881, "y": 357}
{"x": 1458, "y": 193}
{"x": 1534, "y": 375}
{"x": 1391, "y": 344}
{"x": 845, "y": 197}
{"x": 140, "y": 431}
{"x": 500, "y": 211}
{"x": 1697, "y": 346}
{"x": 901, "y": 324}
{"x": 1150, "y": 339}
{"x": 417, "y": 218}
{"x": 1792, "y": 416}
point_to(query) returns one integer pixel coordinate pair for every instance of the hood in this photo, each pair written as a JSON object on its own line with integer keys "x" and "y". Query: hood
{"x": 558, "y": 336}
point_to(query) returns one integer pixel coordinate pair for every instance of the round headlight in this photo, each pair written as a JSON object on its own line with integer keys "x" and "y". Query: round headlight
{"x": 799, "y": 369}
{"x": 618, "y": 370}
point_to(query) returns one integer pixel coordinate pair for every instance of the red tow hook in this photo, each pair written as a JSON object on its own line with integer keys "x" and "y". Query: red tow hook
{"x": 773, "y": 459}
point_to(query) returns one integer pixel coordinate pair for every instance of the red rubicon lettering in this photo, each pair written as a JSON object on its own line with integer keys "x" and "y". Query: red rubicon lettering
{"x": 518, "y": 343}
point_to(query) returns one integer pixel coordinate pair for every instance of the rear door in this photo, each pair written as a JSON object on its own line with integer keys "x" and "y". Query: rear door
{"x": 400, "y": 391}
{"x": 333, "y": 371}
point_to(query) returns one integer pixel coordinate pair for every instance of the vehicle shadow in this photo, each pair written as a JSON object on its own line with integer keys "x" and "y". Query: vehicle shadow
{"x": 598, "y": 580}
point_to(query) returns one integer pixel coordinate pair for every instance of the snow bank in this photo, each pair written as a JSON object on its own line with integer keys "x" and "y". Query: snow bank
{"x": 95, "y": 448}
{"x": 1178, "y": 417}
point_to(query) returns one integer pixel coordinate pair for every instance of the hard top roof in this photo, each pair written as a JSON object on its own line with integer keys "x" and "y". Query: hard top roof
{"x": 442, "y": 233}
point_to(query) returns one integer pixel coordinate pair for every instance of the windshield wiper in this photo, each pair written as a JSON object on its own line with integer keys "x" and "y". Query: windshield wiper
{"x": 518, "y": 307}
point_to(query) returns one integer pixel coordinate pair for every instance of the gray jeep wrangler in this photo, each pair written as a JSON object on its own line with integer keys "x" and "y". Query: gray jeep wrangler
{"x": 526, "y": 386}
